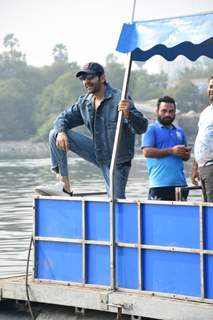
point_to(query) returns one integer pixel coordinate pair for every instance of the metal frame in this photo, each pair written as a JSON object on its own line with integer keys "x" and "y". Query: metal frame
{"x": 113, "y": 164}
{"x": 140, "y": 246}
{"x": 135, "y": 303}
{"x": 178, "y": 192}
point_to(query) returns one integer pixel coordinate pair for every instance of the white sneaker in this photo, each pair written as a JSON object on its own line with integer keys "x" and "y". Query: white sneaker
{"x": 54, "y": 190}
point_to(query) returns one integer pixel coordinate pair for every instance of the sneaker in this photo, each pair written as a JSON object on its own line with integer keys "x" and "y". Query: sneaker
{"x": 54, "y": 190}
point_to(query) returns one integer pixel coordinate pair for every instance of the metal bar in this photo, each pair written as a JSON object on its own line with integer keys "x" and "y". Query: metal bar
{"x": 153, "y": 202}
{"x": 168, "y": 248}
{"x": 162, "y": 248}
{"x": 82, "y": 194}
{"x": 98, "y": 242}
{"x": 202, "y": 289}
{"x": 208, "y": 252}
{"x": 139, "y": 293}
{"x": 177, "y": 194}
{"x": 112, "y": 244}
{"x": 126, "y": 245}
{"x": 140, "y": 284}
{"x": 83, "y": 242}
{"x": 166, "y": 295}
{"x": 119, "y": 314}
{"x": 134, "y": 303}
{"x": 184, "y": 16}
{"x": 120, "y": 116}
{"x": 34, "y": 232}
{"x": 204, "y": 191}
{"x": 172, "y": 203}
{"x": 113, "y": 164}
{"x": 191, "y": 188}
{"x": 67, "y": 240}
{"x": 71, "y": 283}
{"x": 73, "y": 198}
{"x": 119, "y": 129}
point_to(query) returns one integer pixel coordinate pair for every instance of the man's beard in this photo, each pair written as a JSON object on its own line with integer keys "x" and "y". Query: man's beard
{"x": 166, "y": 121}
{"x": 93, "y": 87}
{"x": 211, "y": 98}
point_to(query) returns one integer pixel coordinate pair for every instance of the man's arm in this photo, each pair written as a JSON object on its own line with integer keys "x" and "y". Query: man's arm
{"x": 134, "y": 117}
{"x": 151, "y": 151}
{"x": 195, "y": 177}
{"x": 69, "y": 118}
{"x": 62, "y": 141}
{"x": 188, "y": 149}
{"x": 178, "y": 150}
{"x": 187, "y": 154}
{"x": 66, "y": 120}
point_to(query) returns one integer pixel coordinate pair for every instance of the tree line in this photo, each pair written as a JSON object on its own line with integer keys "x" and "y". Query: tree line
{"x": 31, "y": 97}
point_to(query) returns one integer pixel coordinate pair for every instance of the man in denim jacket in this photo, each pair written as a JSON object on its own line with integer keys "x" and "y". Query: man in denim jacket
{"x": 98, "y": 111}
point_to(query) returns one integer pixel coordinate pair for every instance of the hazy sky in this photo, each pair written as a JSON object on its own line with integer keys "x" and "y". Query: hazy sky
{"x": 89, "y": 28}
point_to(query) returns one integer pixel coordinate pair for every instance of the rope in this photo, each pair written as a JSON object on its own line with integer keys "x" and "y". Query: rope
{"x": 26, "y": 280}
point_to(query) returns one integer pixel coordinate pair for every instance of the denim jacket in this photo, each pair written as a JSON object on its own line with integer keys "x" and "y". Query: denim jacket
{"x": 102, "y": 124}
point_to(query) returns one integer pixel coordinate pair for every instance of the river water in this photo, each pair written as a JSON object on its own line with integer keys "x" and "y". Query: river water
{"x": 18, "y": 177}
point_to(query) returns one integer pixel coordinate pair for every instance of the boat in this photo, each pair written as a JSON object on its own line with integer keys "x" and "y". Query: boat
{"x": 131, "y": 258}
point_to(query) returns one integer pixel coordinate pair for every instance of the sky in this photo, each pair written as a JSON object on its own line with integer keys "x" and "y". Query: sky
{"x": 88, "y": 28}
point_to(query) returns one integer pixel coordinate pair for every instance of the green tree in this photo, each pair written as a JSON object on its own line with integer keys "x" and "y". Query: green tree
{"x": 144, "y": 86}
{"x": 54, "y": 99}
{"x": 12, "y": 61}
{"x": 187, "y": 96}
{"x": 15, "y": 111}
{"x": 202, "y": 69}
{"x": 51, "y": 73}
{"x": 114, "y": 71}
{"x": 12, "y": 43}
{"x": 60, "y": 53}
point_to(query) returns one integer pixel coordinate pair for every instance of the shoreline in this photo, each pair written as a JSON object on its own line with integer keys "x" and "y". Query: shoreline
{"x": 23, "y": 149}
{"x": 27, "y": 149}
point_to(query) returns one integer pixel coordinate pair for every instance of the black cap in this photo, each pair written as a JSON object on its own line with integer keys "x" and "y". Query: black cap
{"x": 91, "y": 68}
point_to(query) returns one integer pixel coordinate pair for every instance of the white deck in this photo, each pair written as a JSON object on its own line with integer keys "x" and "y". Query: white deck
{"x": 134, "y": 303}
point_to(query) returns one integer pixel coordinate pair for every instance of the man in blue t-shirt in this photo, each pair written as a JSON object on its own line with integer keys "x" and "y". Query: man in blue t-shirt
{"x": 165, "y": 148}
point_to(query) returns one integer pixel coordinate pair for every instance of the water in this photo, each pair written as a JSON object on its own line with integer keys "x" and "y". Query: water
{"x": 19, "y": 177}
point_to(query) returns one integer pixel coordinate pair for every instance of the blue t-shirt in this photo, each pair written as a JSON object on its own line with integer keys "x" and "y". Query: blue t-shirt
{"x": 166, "y": 171}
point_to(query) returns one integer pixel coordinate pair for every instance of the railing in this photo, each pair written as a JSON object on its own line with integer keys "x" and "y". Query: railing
{"x": 179, "y": 192}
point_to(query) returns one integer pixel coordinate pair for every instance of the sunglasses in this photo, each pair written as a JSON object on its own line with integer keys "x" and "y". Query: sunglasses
{"x": 88, "y": 76}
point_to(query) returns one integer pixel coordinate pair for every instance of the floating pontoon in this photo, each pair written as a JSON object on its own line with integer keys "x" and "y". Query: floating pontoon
{"x": 139, "y": 258}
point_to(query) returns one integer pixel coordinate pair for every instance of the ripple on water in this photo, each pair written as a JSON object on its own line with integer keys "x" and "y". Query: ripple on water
{"x": 18, "y": 180}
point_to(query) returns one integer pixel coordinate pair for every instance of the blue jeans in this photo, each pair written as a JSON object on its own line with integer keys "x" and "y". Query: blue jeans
{"x": 83, "y": 146}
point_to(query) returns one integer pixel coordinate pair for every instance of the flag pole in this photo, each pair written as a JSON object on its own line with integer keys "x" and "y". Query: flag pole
{"x": 113, "y": 165}
{"x": 120, "y": 118}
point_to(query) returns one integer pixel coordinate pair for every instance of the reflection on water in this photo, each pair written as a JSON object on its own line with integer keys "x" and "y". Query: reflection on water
{"x": 18, "y": 179}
